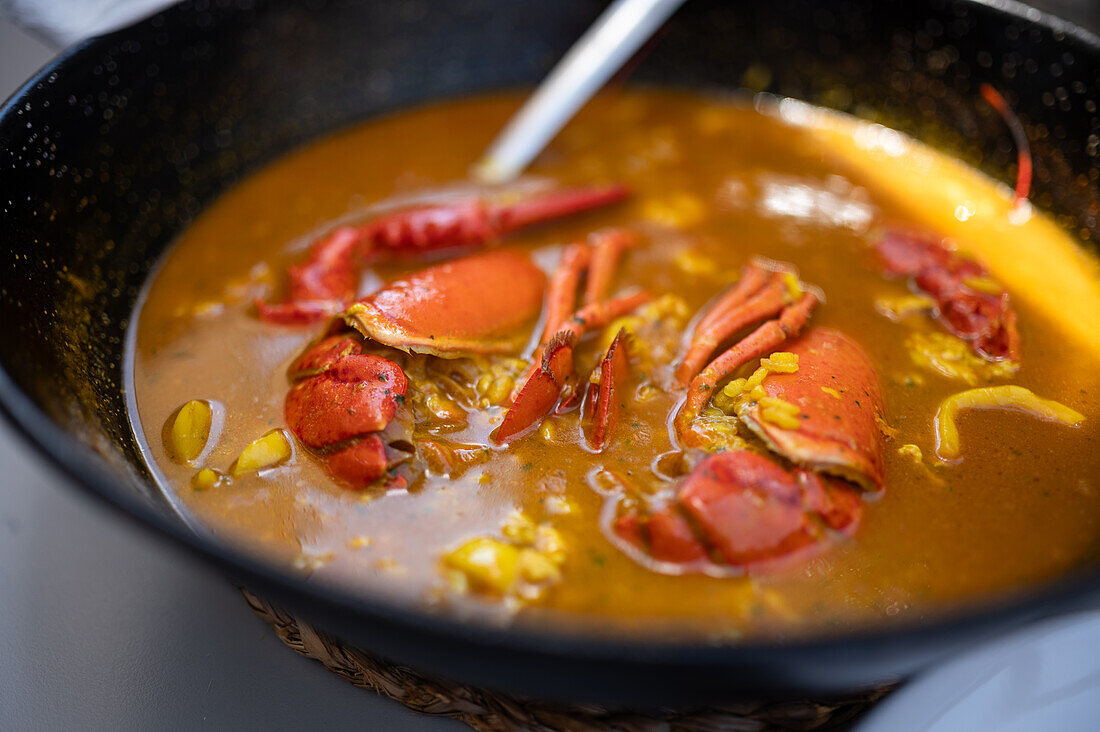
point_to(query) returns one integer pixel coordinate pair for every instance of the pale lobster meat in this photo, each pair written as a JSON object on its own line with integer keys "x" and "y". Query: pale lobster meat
{"x": 326, "y": 281}
{"x": 747, "y": 511}
{"x": 967, "y": 302}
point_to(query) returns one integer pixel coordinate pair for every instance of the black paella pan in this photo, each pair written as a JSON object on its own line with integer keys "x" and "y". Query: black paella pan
{"x": 114, "y": 147}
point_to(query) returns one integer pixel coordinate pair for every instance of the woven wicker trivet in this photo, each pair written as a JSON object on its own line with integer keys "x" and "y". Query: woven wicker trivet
{"x": 494, "y": 712}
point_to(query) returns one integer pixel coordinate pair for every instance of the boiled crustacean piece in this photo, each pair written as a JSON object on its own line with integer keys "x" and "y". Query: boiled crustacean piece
{"x": 837, "y": 405}
{"x": 476, "y": 304}
{"x": 817, "y": 407}
{"x": 343, "y": 398}
{"x": 550, "y": 381}
{"x": 326, "y": 281}
{"x": 740, "y": 510}
{"x": 364, "y": 390}
{"x": 602, "y": 401}
{"x": 771, "y": 293}
{"x": 966, "y": 300}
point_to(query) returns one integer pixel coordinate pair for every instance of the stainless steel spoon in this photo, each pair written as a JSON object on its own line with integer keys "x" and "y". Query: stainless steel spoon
{"x": 615, "y": 36}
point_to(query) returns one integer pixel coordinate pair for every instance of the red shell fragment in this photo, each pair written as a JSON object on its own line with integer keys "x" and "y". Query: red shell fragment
{"x": 355, "y": 395}
{"x": 840, "y": 409}
{"x": 604, "y": 397}
{"x": 360, "y": 464}
{"x": 742, "y": 510}
{"x": 477, "y": 304}
{"x": 324, "y": 354}
{"x": 985, "y": 319}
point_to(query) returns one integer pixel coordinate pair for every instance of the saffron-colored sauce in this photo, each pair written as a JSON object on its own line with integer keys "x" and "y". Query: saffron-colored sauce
{"x": 713, "y": 184}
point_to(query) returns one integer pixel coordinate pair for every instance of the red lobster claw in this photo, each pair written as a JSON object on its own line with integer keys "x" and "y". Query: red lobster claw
{"x": 325, "y": 283}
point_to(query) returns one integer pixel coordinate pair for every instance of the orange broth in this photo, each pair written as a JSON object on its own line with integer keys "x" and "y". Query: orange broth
{"x": 713, "y": 185}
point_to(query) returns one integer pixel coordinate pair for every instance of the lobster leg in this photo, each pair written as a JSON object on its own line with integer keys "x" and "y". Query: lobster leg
{"x": 732, "y": 314}
{"x": 537, "y": 209}
{"x": 603, "y": 395}
{"x": 539, "y": 391}
{"x": 606, "y": 252}
{"x": 561, "y": 292}
{"x": 758, "y": 343}
{"x": 599, "y": 314}
{"x": 599, "y": 261}
{"x": 752, "y": 279}
{"x": 542, "y": 387}
{"x": 320, "y": 286}
{"x": 297, "y": 312}
{"x": 328, "y": 273}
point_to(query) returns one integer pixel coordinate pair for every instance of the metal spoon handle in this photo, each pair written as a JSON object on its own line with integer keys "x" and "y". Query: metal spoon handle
{"x": 615, "y": 36}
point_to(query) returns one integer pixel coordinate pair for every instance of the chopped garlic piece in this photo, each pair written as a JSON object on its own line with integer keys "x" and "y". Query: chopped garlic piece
{"x": 445, "y": 409}
{"x": 1008, "y": 397}
{"x": 665, "y": 307}
{"x": 190, "y": 431}
{"x": 794, "y": 287}
{"x": 519, "y": 528}
{"x": 756, "y": 379}
{"x": 264, "y": 452}
{"x": 548, "y": 539}
{"x": 910, "y": 450}
{"x": 779, "y": 405}
{"x": 206, "y": 479}
{"x": 718, "y": 430}
{"x": 557, "y": 506}
{"x": 519, "y": 566}
{"x": 739, "y": 392}
{"x": 489, "y": 564}
{"x": 629, "y": 323}
{"x": 734, "y": 388}
{"x": 495, "y": 389}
